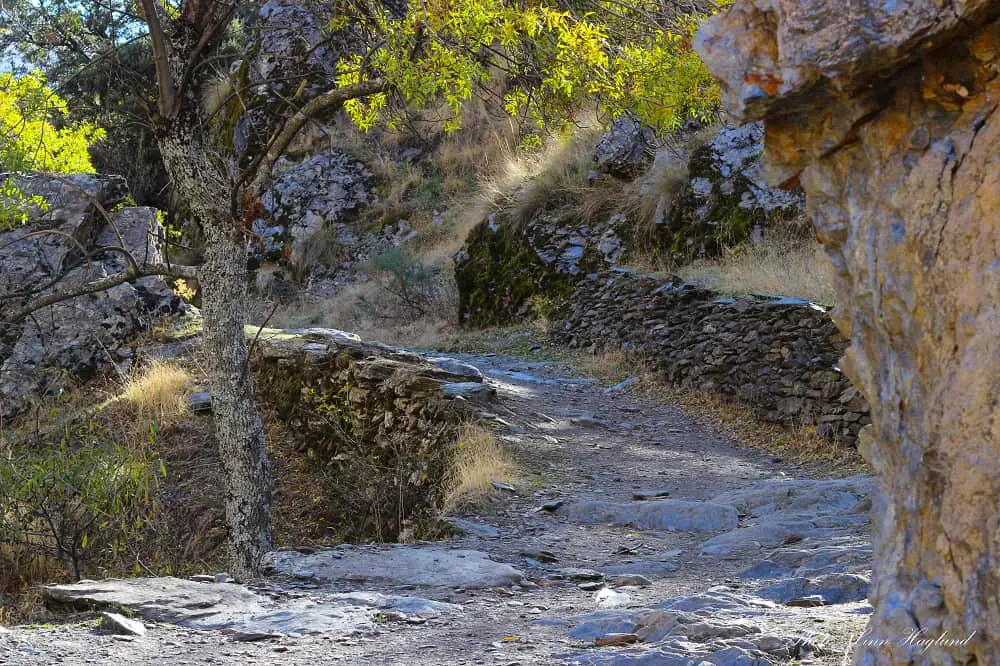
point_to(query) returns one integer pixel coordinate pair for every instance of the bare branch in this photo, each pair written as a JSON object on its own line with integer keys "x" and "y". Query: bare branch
{"x": 332, "y": 99}
{"x": 161, "y": 48}
{"x": 129, "y": 275}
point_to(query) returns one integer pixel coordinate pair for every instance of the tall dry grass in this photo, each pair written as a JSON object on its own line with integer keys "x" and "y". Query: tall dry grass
{"x": 159, "y": 392}
{"x": 782, "y": 266}
{"x": 479, "y": 460}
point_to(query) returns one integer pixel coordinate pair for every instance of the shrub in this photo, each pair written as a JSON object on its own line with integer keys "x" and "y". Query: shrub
{"x": 408, "y": 288}
{"x": 77, "y": 493}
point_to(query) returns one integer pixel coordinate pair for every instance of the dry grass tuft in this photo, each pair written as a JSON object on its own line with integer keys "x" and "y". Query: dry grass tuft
{"x": 159, "y": 392}
{"x": 782, "y": 266}
{"x": 479, "y": 460}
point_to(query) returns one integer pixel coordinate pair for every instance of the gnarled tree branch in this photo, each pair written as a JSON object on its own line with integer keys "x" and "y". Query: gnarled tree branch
{"x": 130, "y": 274}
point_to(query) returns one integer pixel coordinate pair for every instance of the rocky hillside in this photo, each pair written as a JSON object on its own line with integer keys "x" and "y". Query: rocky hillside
{"x": 60, "y": 249}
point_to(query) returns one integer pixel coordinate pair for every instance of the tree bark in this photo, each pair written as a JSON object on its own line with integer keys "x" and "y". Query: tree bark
{"x": 202, "y": 186}
{"x": 240, "y": 429}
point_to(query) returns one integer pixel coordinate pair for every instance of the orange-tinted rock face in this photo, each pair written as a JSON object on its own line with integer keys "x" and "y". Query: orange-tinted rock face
{"x": 896, "y": 141}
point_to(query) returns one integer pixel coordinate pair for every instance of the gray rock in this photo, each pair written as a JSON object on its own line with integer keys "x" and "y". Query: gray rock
{"x": 782, "y": 510}
{"x": 574, "y": 573}
{"x": 674, "y": 515}
{"x": 468, "y": 390}
{"x": 200, "y": 402}
{"x": 829, "y": 589}
{"x": 231, "y": 606}
{"x": 795, "y": 562}
{"x": 323, "y": 192}
{"x": 467, "y": 371}
{"x": 602, "y": 623}
{"x": 86, "y": 335}
{"x": 474, "y": 528}
{"x": 431, "y": 566}
{"x": 800, "y": 496}
{"x": 626, "y": 149}
{"x": 623, "y": 384}
{"x": 114, "y": 623}
{"x": 622, "y": 580}
{"x": 608, "y": 598}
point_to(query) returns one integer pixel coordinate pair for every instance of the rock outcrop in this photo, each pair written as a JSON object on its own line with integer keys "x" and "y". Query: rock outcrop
{"x": 506, "y": 264}
{"x": 627, "y": 149}
{"x": 55, "y": 250}
{"x": 779, "y": 356}
{"x": 726, "y": 200}
{"x": 322, "y": 193}
{"x": 887, "y": 113}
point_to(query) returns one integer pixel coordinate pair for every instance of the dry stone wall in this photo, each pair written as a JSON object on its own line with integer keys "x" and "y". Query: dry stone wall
{"x": 778, "y": 355}
{"x": 381, "y": 420}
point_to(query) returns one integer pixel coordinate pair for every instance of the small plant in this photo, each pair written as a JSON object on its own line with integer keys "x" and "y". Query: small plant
{"x": 81, "y": 491}
{"x": 409, "y": 287}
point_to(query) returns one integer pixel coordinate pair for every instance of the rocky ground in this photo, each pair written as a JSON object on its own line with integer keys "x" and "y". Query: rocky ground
{"x": 634, "y": 536}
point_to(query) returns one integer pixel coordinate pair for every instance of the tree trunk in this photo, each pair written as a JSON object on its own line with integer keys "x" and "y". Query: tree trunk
{"x": 900, "y": 159}
{"x": 203, "y": 188}
{"x": 240, "y": 430}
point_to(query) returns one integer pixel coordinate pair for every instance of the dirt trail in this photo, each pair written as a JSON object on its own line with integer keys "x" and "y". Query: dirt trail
{"x": 582, "y": 444}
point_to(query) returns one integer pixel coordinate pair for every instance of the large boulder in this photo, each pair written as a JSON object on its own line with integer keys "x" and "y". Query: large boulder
{"x": 57, "y": 249}
{"x": 320, "y": 194}
{"x": 627, "y": 149}
{"x": 887, "y": 114}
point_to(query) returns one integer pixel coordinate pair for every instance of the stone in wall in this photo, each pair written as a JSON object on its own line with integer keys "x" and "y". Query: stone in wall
{"x": 887, "y": 113}
{"x": 778, "y": 356}
{"x": 84, "y": 336}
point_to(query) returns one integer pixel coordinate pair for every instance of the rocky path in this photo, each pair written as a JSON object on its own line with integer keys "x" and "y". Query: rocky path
{"x": 635, "y": 536}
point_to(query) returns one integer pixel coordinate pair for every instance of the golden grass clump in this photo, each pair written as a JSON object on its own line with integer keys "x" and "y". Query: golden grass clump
{"x": 159, "y": 391}
{"x": 479, "y": 460}
{"x": 781, "y": 267}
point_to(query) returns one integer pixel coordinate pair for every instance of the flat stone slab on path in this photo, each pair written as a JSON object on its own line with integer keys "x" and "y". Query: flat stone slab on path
{"x": 674, "y": 515}
{"x": 230, "y": 606}
{"x": 428, "y": 566}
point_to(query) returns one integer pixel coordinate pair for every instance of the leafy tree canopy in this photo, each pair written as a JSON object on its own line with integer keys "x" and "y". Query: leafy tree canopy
{"x": 625, "y": 55}
{"x": 33, "y": 137}
{"x": 32, "y": 134}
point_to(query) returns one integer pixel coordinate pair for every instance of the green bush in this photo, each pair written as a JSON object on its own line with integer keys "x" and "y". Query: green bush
{"x": 77, "y": 495}
{"x": 408, "y": 288}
